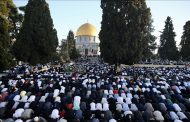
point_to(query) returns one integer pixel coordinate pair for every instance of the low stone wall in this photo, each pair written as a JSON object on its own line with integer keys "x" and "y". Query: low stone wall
{"x": 152, "y": 65}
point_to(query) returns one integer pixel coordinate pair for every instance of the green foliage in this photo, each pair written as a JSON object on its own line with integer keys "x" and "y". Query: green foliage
{"x": 63, "y": 53}
{"x": 55, "y": 57}
{"x": 4, "y": 44}
{"x": 6, "y": 59}
{"x": 4, "y": 35}
{"x": 4, "y": 11}
{"x": 37, "y": 40}
{"x": 71, "y": 41}
{"x": 22, "y": 8}
{"x": 124, "y": 25}
{"x": 168, "y": 49}
{"x": 15, "y": 20}
{"x": 73, "y": 54}
{"x": 150, "y": 44}
{"x": 185, "y": 42}
{"x": 68, "y": 50}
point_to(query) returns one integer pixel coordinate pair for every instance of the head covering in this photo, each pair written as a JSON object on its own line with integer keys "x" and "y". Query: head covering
{"x": 24, "y": 99}
{"x": 104, "y": 100}
{"x": 18, "y": 113}
{"x": 127, "y": 112}
{"x": 22, "y": 93}
{"x": 16, "y": 98}
{"x": 42, "y": 99}
{"x": 134, "y": 107}
{"x": 110, "y": 91}
{"x": 36, "y": 119}
{"x": 55, "y": 114}
{"x": 181, "y": 115}
{"x": 9, "y": 120}
{"x": 173, "y": 115}
{"x": 92, "y": 106}
{"x": 19, "y": 120}
{"x": 105, "y": 106}
{"x": 62, "y": 120}
{"x": 51, "y": 85}
{"x": 176, "y": 107}
{"x": 158, "y": 116}
{"x": 58, "y": 99}
{"x": 56, "y": 93}
{"x": 112, "y": 120}
{"x": 69, "y": 106}
{"x": 120, "y": 100}
{"x": 106, "y": 92}
{"x": 4, "y": 89}
{"x": 123, "y": 95}
{"x": 95, "y": 120}
{"x": 32, "y": 98}
{"x": 119, "y": 107}
{"x": 125, "y": 107}
{"x": 128, "y": 100}
{"x": 99, "y": 106}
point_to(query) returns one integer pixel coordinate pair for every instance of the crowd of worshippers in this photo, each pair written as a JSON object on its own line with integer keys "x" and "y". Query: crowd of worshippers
{"x": 97, "y": 95}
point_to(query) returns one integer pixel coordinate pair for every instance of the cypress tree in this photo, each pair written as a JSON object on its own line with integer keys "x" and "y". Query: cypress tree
{"x": 6, "y": 59}
{"x": 123, "y": 28}
{"x": 37, "y": 40}
{"x": 185, "y": 42}
{"x": 150, "y": 44}
{"x": 70, "y": 42}
{"x": 15, "y": 20}
{"x": 168, "y": 49}
{"x": 63, "y": 53}
{"x": 71, "y": 46}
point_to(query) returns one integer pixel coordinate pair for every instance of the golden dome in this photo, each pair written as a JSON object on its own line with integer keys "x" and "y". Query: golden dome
{"x": 87, "y": 29}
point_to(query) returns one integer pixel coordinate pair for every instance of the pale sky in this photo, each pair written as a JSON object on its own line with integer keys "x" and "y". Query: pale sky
{"x": 70, "y": 14}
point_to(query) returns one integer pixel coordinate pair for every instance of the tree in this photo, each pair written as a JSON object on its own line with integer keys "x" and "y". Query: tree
{"x": 6, "y": 59}
{"x": 37, "y": 40}
{"x": 63, "y": 53}
{"x": 168, "y": 49}
{"x": 15, "y": 19}
{"x": 185, "y": 42}
{"x": 67, "y": 48}
{"x": 73, "y": 54}
{"x": 150, "y": 44}
{"x": 123, "y": 28}
{"x": 22, "y": 8}
{"x": 70, "y": 42}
